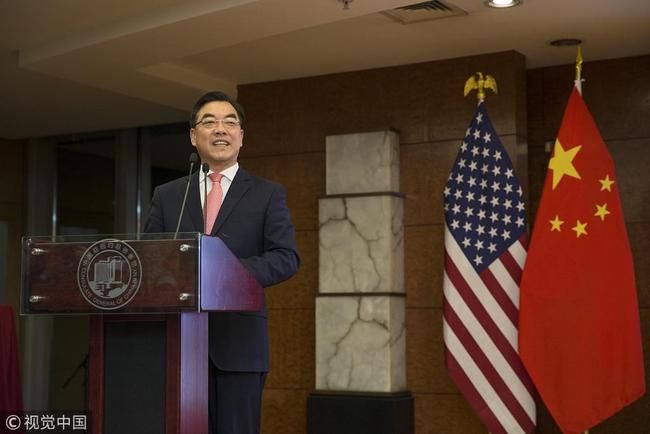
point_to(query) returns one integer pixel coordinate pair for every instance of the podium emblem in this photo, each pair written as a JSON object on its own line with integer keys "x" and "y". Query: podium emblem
{"x": 109, "y": 274}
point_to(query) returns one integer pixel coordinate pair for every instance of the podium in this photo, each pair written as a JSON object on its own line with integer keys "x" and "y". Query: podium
{"x": 147, "y": 297}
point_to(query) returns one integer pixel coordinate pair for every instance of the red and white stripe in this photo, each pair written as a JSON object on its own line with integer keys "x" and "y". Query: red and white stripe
{"x": 480, "y": 333}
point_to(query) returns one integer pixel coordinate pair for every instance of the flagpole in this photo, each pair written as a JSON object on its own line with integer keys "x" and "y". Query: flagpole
{"x": 578, "y": 85}
{"x": 578, "y": 81}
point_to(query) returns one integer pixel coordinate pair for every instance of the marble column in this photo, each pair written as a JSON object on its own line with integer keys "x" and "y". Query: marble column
{"x": 360, "y": 309}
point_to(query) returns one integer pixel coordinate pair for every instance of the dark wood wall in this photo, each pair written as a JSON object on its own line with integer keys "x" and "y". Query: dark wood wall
{"x": 285, "y": 141}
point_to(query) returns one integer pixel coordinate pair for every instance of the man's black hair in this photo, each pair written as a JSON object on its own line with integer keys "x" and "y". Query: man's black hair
{"x": 217, "y": 96}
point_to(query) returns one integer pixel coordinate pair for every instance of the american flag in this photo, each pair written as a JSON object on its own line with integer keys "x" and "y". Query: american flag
{"x": 485, "y": 251}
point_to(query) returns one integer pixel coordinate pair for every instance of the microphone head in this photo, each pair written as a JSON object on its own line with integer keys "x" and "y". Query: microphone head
{"x": 205, "y": 167}
{"x": 194, "y": 158}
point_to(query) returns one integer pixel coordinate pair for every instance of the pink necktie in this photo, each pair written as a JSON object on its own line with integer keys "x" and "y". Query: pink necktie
{"x": 215, "y": 197}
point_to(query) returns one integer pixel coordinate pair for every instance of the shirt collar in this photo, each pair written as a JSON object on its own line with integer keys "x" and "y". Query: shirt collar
{"x": 227, "y": 173}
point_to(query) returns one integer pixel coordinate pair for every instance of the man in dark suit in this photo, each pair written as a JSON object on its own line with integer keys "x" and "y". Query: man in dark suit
{"x": 253, "y": 220}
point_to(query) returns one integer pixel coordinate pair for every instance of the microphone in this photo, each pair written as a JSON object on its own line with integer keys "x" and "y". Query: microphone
{"x": 205, "y": 167}
{"x": 193, "y": 160}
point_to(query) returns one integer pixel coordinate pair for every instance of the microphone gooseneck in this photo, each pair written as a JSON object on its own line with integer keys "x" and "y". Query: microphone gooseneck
{"x": 193, "y": 160}
{"x": 205, "y": 167}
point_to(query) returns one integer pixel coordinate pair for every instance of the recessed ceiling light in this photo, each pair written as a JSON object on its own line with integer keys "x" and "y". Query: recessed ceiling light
{"x": 502, "y": 3}
{"x": 566, "y": 42}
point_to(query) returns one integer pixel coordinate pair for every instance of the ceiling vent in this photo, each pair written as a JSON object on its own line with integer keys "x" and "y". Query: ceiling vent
{"x": 424, "y": 11}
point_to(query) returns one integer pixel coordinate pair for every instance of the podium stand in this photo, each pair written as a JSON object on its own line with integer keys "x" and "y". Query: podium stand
{"x": 147, "y": 297}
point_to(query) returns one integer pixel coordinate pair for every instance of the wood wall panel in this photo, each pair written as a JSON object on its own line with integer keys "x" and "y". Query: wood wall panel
{"x": 423, "y": 101}
{"x": 445, "y": 413}
{"x": 285, "y": 141}
{"x": 632, "y": 160}
{"x": 639, "y": 235}
{"x": 291, "y": 336}
{"x": 279, "y": 411}
{"x": 285, "y": 133}
{"x": 424, "y": 250}
{"x": 425, "y": 363}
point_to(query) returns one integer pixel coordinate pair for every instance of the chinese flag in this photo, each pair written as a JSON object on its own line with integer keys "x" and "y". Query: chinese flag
{"x": 579, "y": 331}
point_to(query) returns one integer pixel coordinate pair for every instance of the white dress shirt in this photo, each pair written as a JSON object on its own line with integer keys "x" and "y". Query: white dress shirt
{"x": 228, "y": 176}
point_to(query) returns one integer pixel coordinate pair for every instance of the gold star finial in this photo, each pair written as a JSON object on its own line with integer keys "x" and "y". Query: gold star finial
{"x": 556, "y": 223}
{"x": 562, "y": 163}
{"x": 580, "y": 228}
{"x": 606, "y": 184}
{"x": 601, "y": 211}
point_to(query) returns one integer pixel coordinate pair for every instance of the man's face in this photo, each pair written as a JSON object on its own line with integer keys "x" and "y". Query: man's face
{"x": 215, "y": 137}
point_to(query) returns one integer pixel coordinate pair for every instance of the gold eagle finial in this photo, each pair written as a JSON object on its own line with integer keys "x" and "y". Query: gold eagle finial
{"x": 481, "y": 84}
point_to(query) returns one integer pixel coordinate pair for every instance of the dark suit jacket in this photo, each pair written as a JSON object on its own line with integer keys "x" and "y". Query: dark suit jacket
{"x": 255, "y": 224}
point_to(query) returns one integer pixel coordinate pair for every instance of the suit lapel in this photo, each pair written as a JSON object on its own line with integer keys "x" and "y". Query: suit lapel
{"x": 193, "y": 204}
{"x": 239, "y": 186}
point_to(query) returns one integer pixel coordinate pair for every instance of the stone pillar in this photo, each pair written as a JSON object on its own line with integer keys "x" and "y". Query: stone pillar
{"x": 360, "y": 334}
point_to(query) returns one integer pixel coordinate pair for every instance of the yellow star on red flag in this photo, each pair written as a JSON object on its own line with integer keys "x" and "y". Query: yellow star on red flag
{"x": 601, "y": 211}
{"x": 556, "y": 223}
{"x": 562, "y": 163}
{"x": 606, "y": 183}
{"x": 580, "y": 228}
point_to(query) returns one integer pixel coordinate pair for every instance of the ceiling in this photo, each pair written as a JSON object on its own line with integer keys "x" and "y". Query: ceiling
{"x": 71, "y": 66}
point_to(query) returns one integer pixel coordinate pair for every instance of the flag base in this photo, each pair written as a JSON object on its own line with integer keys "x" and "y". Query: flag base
{"x": 360, "y": 413}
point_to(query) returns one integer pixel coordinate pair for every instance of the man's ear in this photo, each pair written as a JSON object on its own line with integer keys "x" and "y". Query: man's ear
{"x": 193, "y": 136}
